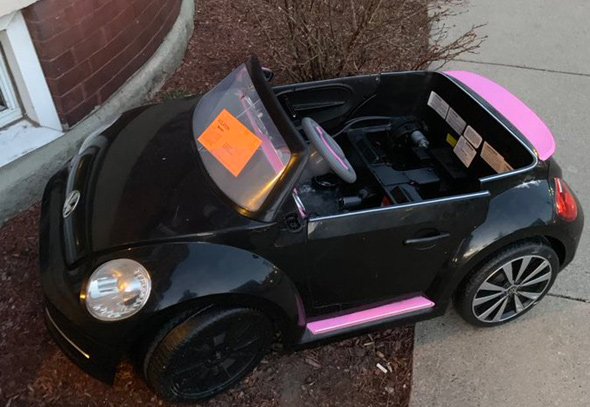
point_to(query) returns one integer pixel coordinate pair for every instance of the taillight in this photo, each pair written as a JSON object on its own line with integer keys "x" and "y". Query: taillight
{"x": 565, "y": 203}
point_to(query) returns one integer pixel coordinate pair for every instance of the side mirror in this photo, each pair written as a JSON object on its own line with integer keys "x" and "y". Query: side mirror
{"x": 268, "y": 74}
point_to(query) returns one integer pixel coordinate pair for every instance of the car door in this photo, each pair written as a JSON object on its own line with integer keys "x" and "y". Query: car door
{"x": 373, "y": 255}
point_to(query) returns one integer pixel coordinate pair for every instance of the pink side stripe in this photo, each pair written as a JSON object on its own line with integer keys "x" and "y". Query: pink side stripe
{"x": 370, "y": 315}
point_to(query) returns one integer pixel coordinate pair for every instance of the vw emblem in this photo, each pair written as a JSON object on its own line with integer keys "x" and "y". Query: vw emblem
{"x": 71, "y": 202}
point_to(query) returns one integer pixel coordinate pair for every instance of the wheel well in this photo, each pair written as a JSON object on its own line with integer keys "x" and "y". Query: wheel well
{"x": 277, "y": 316}
{"x": 559, "y": 248}
{"x": 554, "y": 243}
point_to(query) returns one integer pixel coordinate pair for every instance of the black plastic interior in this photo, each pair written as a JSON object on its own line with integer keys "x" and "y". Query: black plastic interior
{"x": 392, "y": 169}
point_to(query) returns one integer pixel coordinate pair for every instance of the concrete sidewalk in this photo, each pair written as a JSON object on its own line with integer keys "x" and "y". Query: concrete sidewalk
{"x": 539, "y": 49}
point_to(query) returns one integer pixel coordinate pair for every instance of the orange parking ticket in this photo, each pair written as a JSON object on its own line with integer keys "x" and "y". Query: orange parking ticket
{"x": 232, "y": 143}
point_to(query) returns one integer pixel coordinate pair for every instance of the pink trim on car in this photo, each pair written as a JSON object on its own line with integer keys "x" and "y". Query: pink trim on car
{"x": 370, "y": 315}
{"x": 513, "y": 109}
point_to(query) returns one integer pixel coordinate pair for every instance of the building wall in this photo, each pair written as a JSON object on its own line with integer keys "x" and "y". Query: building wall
{"x": 89, "y": 48}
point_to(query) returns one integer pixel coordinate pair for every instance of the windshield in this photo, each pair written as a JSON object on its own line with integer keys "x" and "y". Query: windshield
{"x": 240, "y": 146}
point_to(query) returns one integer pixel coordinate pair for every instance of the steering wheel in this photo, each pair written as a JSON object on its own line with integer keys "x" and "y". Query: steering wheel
{"x": 329, "y": 150}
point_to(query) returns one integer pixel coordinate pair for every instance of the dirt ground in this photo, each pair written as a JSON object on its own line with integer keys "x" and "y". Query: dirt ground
{"x": 34, "y": 372}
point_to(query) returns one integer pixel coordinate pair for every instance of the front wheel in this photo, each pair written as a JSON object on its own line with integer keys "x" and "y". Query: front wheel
{"x": 207, "y": 353}
{"x": 508, "y": 285}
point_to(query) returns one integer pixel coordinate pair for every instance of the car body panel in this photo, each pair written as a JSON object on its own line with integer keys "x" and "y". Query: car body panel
{"x": 190, "y": 274}
{"x": 346, "y": 251}
{"x": 510, "y": 221}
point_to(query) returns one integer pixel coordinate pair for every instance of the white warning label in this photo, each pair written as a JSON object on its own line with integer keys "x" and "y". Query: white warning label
{"x": 473, "y": 136}
{"x": 465, "y": 151}
{"x": 494, "y": 159}
{"x": 438, "y": 104}
{"x": 455, "y": 121}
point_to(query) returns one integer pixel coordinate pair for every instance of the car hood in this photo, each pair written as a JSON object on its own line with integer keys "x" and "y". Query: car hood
{"x": 141, "y": 181}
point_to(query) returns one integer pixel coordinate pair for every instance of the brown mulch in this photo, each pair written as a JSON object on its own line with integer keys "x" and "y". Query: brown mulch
{"x": 34, "y": 372}
{"x": 216, "y": 48}
{"x": 224, "y": 38}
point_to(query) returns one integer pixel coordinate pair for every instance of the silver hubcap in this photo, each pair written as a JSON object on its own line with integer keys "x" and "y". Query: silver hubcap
{"x": 512, "y": 288}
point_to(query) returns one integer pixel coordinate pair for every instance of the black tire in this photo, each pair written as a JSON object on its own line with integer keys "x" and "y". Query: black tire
{"x": 473, "y": 300}
{"x": 207, "y": 353}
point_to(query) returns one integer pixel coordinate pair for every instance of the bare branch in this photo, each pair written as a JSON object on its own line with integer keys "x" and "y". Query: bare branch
{"x": 320, "y": 39}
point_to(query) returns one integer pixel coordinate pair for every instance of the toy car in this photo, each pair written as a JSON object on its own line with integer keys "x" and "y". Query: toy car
{"x": 189, "y": 233}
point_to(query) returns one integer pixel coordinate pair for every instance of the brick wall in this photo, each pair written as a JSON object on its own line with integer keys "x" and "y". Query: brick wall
{"x": 89, "y": 48}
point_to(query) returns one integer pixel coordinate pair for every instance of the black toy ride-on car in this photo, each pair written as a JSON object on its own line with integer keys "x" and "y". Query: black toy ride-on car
{"x": 191, "y": 232}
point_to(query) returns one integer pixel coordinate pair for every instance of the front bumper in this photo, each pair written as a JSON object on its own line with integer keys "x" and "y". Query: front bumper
{"x": 94, "y": 358}
{"x": 76, "y": 333}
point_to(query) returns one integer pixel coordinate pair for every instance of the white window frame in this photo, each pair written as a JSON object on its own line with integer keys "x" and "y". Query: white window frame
{"x": 30, "y": 84}
{"x": 11, "y": 111}
{"x": 40, "y": 123}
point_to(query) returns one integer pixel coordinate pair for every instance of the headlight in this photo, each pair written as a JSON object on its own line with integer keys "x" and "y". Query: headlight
{"x": 117, "y": 289}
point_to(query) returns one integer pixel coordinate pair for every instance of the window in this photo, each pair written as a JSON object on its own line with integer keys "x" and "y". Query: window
{"x": 9, "y": 106}
{"x": 28, "y": 118}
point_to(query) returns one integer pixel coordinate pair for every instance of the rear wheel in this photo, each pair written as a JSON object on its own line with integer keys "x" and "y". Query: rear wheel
{"x": 508, "y": 285}
{"x": 206, "y": 354}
